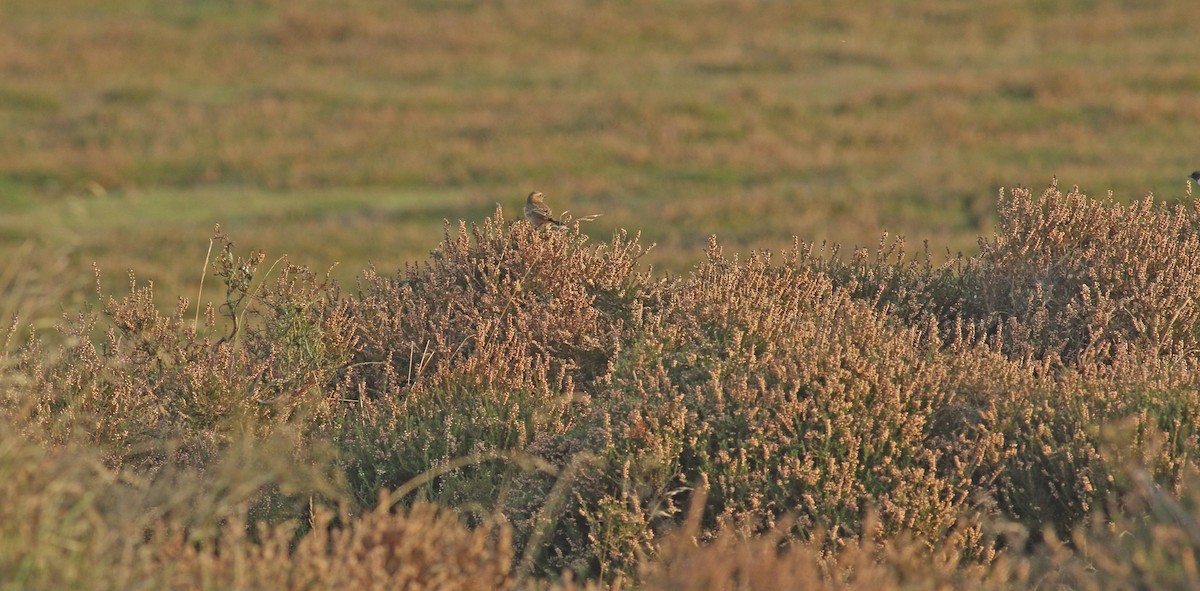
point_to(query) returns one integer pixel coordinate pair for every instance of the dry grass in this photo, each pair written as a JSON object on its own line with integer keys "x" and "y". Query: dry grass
{"x": 71, "y": 522}
{"x": 550, "y": 417}
{"x": 346, "y": 132}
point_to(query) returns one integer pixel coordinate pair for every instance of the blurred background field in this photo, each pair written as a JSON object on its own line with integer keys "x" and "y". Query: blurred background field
{"x": 345, "y": 132}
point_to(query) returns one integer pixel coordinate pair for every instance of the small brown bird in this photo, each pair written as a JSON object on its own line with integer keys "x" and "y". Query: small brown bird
{"x": 537, "y": 212}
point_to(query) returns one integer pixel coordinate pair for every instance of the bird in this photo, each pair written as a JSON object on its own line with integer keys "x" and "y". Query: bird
{"x": 1196, "y": 177}
{"x": 537, "y": 212}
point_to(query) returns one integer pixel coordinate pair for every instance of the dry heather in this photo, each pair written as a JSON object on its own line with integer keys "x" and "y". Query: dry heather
{"x": 546, "y": 414}
{"x": 71, "y": 522}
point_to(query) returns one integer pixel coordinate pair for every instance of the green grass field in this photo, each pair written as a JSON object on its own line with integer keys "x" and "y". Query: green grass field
{"x": 345, "y": 132}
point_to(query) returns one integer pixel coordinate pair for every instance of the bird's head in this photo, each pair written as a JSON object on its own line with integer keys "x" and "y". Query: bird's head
{"x": 534, "y": 197}
{"x": 1196, "y": 177}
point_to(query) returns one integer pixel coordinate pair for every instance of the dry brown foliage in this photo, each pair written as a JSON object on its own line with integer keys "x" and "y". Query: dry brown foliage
{"x": 872, "y": 422}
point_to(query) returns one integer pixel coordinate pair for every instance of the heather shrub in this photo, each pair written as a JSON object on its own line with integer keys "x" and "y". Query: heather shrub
{"x": 298, "y": 347}
{"x": 1088, "y": 302}
{"x": 1065, "y": 279}
{"x": 818, "y": 390}
{"x": 151, "y": 389}
{"x": 555, "y": 304}
{"x": 875, "y": 421}
{"x": 1077, "y": 279}
{"x": 70, "y": 521}
{"x": 908, "y": 287}
{"x": 1031, "y": 436}
{"x": 855, "y": 561}
{"x": 784, "y": 396}
{"x": 1142, "y": 538}
{"x": 149, "y": 379}
{"x": 1092, "y": 299}
{"x": 423, "y": 548}
{"x": 1033, "y": 442}
{"x": 490, "y": 350}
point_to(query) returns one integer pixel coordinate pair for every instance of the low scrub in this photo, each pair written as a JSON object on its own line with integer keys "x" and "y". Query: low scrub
{"x": 529, "y": 409}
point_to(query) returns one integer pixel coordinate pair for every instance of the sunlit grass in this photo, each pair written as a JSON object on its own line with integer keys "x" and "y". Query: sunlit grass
{"x": 163, "y": 234}
{"x": 832, "y": 122}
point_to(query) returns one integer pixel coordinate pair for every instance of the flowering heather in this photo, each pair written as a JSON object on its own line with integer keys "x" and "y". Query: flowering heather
{"x": 531, "y": 409}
